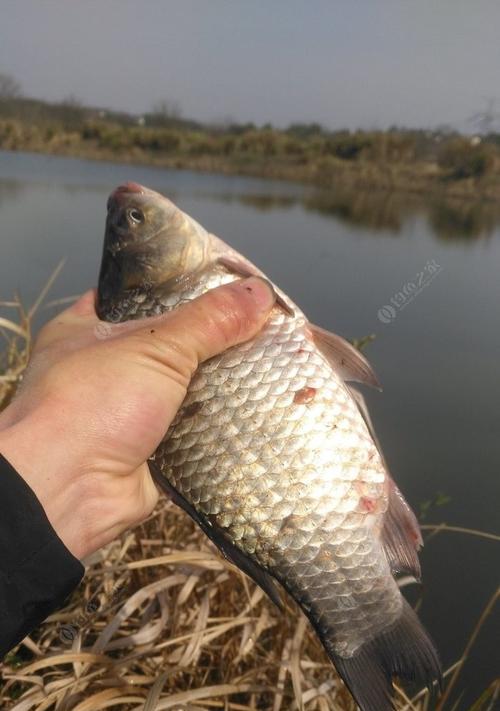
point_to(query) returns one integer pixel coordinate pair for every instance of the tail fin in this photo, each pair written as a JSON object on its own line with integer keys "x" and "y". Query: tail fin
{"x": 404, "y": 650}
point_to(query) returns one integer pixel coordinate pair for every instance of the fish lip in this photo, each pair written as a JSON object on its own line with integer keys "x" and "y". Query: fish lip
{"x": 129, "y": 188}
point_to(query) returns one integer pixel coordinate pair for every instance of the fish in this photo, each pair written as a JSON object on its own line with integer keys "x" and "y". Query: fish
{"x": 274, "y": 455}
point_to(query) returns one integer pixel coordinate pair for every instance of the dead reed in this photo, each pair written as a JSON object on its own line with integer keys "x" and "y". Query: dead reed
{"x": 161, "y": 621}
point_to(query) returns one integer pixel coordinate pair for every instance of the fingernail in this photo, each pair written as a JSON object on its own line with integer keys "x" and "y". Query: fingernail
{"x": 260, "y": 290}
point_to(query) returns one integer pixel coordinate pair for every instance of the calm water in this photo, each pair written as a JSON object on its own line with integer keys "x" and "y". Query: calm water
{"x": 343, "y": 258}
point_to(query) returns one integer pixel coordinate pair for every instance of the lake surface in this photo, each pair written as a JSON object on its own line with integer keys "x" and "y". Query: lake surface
{"x": 423, "y": 277}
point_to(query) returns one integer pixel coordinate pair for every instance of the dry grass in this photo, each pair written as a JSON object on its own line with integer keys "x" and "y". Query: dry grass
{"x": 16, "y": 335}
{"x": 161, "y": 621}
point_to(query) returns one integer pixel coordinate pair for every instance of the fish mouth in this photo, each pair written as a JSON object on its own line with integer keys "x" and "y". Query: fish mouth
{"x": 119, "y": 194}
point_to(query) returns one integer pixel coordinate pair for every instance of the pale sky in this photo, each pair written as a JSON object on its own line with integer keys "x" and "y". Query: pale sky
{"x": 349, "y": 63}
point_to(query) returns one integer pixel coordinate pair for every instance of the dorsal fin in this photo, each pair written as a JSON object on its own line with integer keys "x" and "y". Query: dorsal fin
{"x": 346, "y": 360}
{"x": 401, "y": 535}
{"x": 241, "y": 268}
{"x": 227, "y": 257}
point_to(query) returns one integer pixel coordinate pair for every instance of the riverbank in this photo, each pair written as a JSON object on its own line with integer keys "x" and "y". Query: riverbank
{"x": 398, "y": 161}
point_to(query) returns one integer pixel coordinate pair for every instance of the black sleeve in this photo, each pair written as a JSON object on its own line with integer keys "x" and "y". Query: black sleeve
{"x": 37, "y": 571}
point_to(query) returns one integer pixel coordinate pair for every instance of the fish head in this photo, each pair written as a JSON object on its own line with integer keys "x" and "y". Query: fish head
{"x": 148, "y": 242}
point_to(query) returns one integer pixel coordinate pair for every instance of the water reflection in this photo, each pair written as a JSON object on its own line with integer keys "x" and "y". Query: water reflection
{"x": 448, "y": 218}
{"x": 453, "y": 219}
{"x": 261, "y": 202}
{"x": 372, "y": 210}
{"x": 10, "y": 190}
{"x": 265, "y": 203}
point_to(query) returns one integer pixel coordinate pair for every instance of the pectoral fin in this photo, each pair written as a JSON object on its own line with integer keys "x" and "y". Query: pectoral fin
{"x": 346, "y": 360}
{"x": 216, "y": 534}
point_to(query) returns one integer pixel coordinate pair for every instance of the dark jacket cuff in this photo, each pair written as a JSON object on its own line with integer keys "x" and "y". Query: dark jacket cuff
{"x": 37, "y": 571}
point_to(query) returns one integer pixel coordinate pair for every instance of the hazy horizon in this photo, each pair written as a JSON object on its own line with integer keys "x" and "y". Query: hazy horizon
{"x": 345, "y": 65}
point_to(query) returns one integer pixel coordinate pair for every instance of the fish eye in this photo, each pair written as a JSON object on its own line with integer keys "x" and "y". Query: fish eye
{"x": 136, "y": 216}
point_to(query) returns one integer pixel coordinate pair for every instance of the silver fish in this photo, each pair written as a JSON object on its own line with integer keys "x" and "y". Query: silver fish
{"x": 273, "y": 454}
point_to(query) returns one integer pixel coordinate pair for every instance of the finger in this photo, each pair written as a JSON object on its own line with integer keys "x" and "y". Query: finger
{"x": 80, "y": 314}
{"x": 84, "y": 306}
{"x": 210, "y": 324}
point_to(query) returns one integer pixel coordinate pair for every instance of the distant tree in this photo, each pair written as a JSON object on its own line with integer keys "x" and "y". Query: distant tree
{"x": 71, "y": 111}
{"x": 305, "y": 130}
{"x": 488, "y": 120}
{"x": 10, "y": 88}
{"x": 164, "y": 113}
{"x": 240, "y": 128}
{"x": 72, "y": 101}
{"x": 459, "y": 159}
{"x": 222, "y": 124}
{"x": 346, "y": 145}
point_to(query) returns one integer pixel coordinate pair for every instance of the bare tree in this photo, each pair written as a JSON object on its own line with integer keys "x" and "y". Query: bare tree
{"x": 9, "y": 87}
{"x": 488, "y": 120}
{"x": 71, "y": 110}
{"x": 166, "y": 110}
{"x": 72, "y": 101}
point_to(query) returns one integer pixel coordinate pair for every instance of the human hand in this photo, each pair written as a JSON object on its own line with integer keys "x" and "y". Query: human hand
{"x": 97, "y": 399}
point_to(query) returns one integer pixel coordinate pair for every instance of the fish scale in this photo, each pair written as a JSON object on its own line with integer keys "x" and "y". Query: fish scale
{"x": 273, "y": 455}
{"x": 199, "y": 445}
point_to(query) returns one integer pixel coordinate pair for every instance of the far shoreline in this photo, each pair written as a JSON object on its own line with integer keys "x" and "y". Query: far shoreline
{"x": 199, "y": 152}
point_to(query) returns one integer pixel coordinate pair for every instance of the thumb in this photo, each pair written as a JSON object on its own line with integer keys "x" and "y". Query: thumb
{"x": 208, "y": 325}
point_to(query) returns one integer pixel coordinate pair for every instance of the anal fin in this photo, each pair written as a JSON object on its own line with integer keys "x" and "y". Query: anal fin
{"x": 216, "y": 534}
{"x": 401, "y": 535}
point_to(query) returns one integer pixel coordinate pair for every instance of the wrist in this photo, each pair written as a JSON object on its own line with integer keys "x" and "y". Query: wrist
{"x": 30, "y": 446}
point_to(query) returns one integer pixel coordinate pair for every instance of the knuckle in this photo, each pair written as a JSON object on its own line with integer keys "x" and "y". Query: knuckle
{"x": 228, "y": 315}
{"x": 164, "y": 353}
